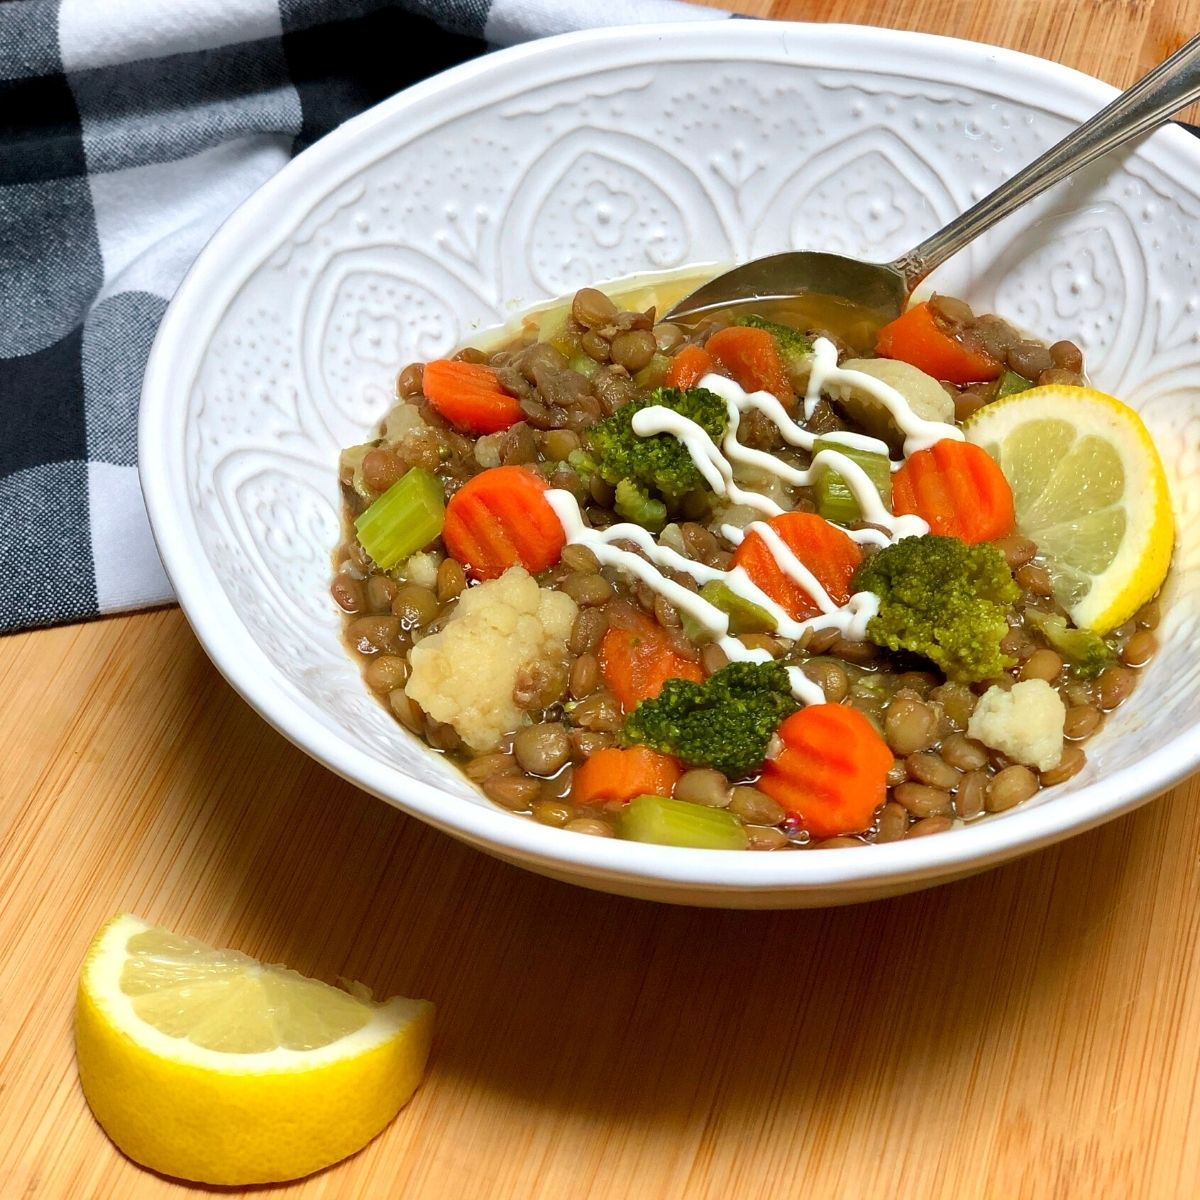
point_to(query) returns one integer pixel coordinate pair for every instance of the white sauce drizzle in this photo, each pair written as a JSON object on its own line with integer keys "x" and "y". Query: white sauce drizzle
{"x": 716, "y": 465}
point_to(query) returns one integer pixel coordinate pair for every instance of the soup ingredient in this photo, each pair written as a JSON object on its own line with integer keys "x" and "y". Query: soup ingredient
{"x": 1010, "y": 383}
{"x": 501, "y": 518}
{"x": 957, "y": 490}
{"x": 659, "y": 464}
{"x": 831, "y": 773}
{"x": 751, "y": 357}
{"x": 1090, "y": 490}
{"x": 621, "y": 774}
{"x": 469, "y": 395}
{"x": 669, "y": 822}
{"x": 502, "y": 630}
{"x": 744, "y": 615}
{"x": 405, "y": 519}
{"x": 835, "y": 501}
{"x": 825, "y": 550}
{"x": 916, "y": 337}
{"x": 725, "y": 722}
{"x": 922, "y": 393}
{"x": 688, "y": 367}
{"x": 633, "y": 504}
{"x": 637, "y": 657}
{"x": 1025, "y": 723}
{"x": 1086, "y": 653}
{"x": 943, "y": 599}
{"x": 206, "y": 1065}
{"x": 795, "y": 350}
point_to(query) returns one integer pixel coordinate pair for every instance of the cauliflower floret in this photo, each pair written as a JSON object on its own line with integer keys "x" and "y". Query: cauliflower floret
{"x": 926, "y": 397}
{"x": 422, "y": 568}
{"x": 1025, "y": 723}
{"x": 465, "y": 675}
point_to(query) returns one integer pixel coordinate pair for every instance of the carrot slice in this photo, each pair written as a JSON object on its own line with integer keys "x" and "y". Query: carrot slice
{"x": 688, "y": 367}
{"x": 751, "y": 356}
{"x": 501, "y": 518}
{"x": 916, "y": 337}
{"x": 613, "y": 774}
{"x": 823, "y": 548}
{"x": 635, "y": 661}
{"x": 469, "y": 396}
{"x": 958, "y": 489}
{"x": 831, "y": 774}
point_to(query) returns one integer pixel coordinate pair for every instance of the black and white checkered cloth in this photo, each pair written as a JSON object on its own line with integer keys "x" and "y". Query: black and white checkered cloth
{"x": 129, "y": 130}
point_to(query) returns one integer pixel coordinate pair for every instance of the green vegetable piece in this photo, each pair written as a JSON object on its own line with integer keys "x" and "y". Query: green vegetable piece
{"x": 1010, "y": 383}
{"x": 668, "y": 822}
{"x": 725, "y": 722}
{"x": 653, "y": 373}
{"x": 1086, "y": 653}
{"x": 584, "y": 364}
{"x": 744, "y": 615}
{"x": 405, "y": 519}
{"x": 632, "y": 503}
{"x": 943, "y": 599}
{"x": 835, "y": 501}
{"x": 658, "y": 464}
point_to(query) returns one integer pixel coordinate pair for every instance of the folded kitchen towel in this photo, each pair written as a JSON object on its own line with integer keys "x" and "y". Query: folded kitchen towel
{"x": 129, "y": 130}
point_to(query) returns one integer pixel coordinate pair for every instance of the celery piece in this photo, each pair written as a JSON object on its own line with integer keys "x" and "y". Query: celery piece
{"x": 835, "y": 501}
{"x": 669, "y": 822}
{"x": 1011, "y": 383}
{"x": 654, "y": 373}
{"x": 405, "y": 519}
{"x": 584, "y": 364}
{"x": 744, "y": 615}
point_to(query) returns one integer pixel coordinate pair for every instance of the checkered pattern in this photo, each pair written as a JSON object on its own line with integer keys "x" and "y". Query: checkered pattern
{"x": 129, "y": 130}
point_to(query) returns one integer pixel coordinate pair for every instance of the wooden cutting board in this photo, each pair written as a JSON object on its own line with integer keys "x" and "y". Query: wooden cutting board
{"x": 1033, "y": 1032}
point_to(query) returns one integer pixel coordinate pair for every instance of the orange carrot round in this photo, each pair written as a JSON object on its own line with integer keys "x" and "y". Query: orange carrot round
{"x": 958, "y": 489}
{"x": 831, "y": 774}
{"x": 916, "y": 337}
{"x": 752, "y": 358}
{"x": 636, "y": 660}
{"x": 500, "y": 518}
{"x": 614, "y": 774}
{"x": 822, "y": 547}
{"x": 688, "y": 367}
{"x": 469, "y": 396}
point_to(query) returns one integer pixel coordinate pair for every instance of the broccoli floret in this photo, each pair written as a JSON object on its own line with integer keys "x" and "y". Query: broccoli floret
{"x": 658, "y": 464}
{"x": 943, "y": 599}
{"x": 725, "y": 722}
{"x": 794, "y": 347}
{"x": 634, "y": 504}
{"x": 1086, "y": 653}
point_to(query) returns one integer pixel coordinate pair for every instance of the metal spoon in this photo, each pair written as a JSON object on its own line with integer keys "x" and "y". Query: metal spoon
{"x": 886, "y": 287}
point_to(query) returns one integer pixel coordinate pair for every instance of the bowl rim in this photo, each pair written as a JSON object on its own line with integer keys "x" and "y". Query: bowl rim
{"x": 209, "y": 286}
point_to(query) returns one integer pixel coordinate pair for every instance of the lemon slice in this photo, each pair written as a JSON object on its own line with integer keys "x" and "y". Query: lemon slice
{"x": 1089, "y": 489}
{"x": 207, "y": 1065}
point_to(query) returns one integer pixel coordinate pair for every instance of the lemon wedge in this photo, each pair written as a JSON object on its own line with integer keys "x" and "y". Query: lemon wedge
{"x": 1090, "y": 490}
{"x": 207, "y": 1065}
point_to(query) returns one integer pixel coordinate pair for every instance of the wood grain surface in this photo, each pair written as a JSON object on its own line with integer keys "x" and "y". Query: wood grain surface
{"x": 1033, "y": 1032}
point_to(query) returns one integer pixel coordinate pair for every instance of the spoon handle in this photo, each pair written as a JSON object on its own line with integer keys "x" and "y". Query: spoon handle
{"x": 1148, "y": 103}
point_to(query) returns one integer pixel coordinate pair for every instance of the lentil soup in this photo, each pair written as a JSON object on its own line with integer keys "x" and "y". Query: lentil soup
{"x": 745, "y": 583}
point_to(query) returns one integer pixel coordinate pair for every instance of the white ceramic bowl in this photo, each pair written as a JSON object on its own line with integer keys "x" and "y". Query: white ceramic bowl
{"x": 522, "y": 175}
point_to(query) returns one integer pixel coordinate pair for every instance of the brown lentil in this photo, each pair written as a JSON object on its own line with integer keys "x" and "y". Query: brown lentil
{"x": 590, "y": 825}
{"x": 584, "y": 677}
{"x": 893, "y": 822}
{"x": 599, "y": 713}
{"x": 1148, "y": 616}
{"x": 930, "y": 825}
{"x": 592, "y": 307}
{"x": 1068, "y": 356}
{"x": 511, "y": 790}
{"x": 1081, "y": 721}
{"x": 1042, "y": 664}
{"x": 933, "y": 769}
{"x": 408, "y": 382}
{"x": 414, "y": 605}
{"x": 1073, "y": 761}
{"x": 1009, "y": 787}
{"x": 542, "y": 749}
{"x": 375, "y": 635}
{"x": 451, "y": 580}
{"x": 830, "y": 677}
{"x": 588, "y": 591}
{"x": 1035, "y": 579}
{"x": 755, "y": 807}
{"x": 386, "y": 672}
{"x": 765, "y": 837}
{"x": 381, "y": 468}
{"x": 587, "y": 631}
{"x": 1139, "y": 649}
{"x": 1114, "y": 685}
{"x": 552, "y": 812}
{"x": 910, "y": 725}
{"x": 713, "y": 658}
{"x": 633, "y": 350}
{"x": 971, "y": 797}
{"x": 964, "y": 753}
{"x": 407, "y": 711}
{"x": 922, "y": 801}
{"x": 703, "y": 785}
{"x": 348, "y": 594}
{"x": 1017, "y": 550}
